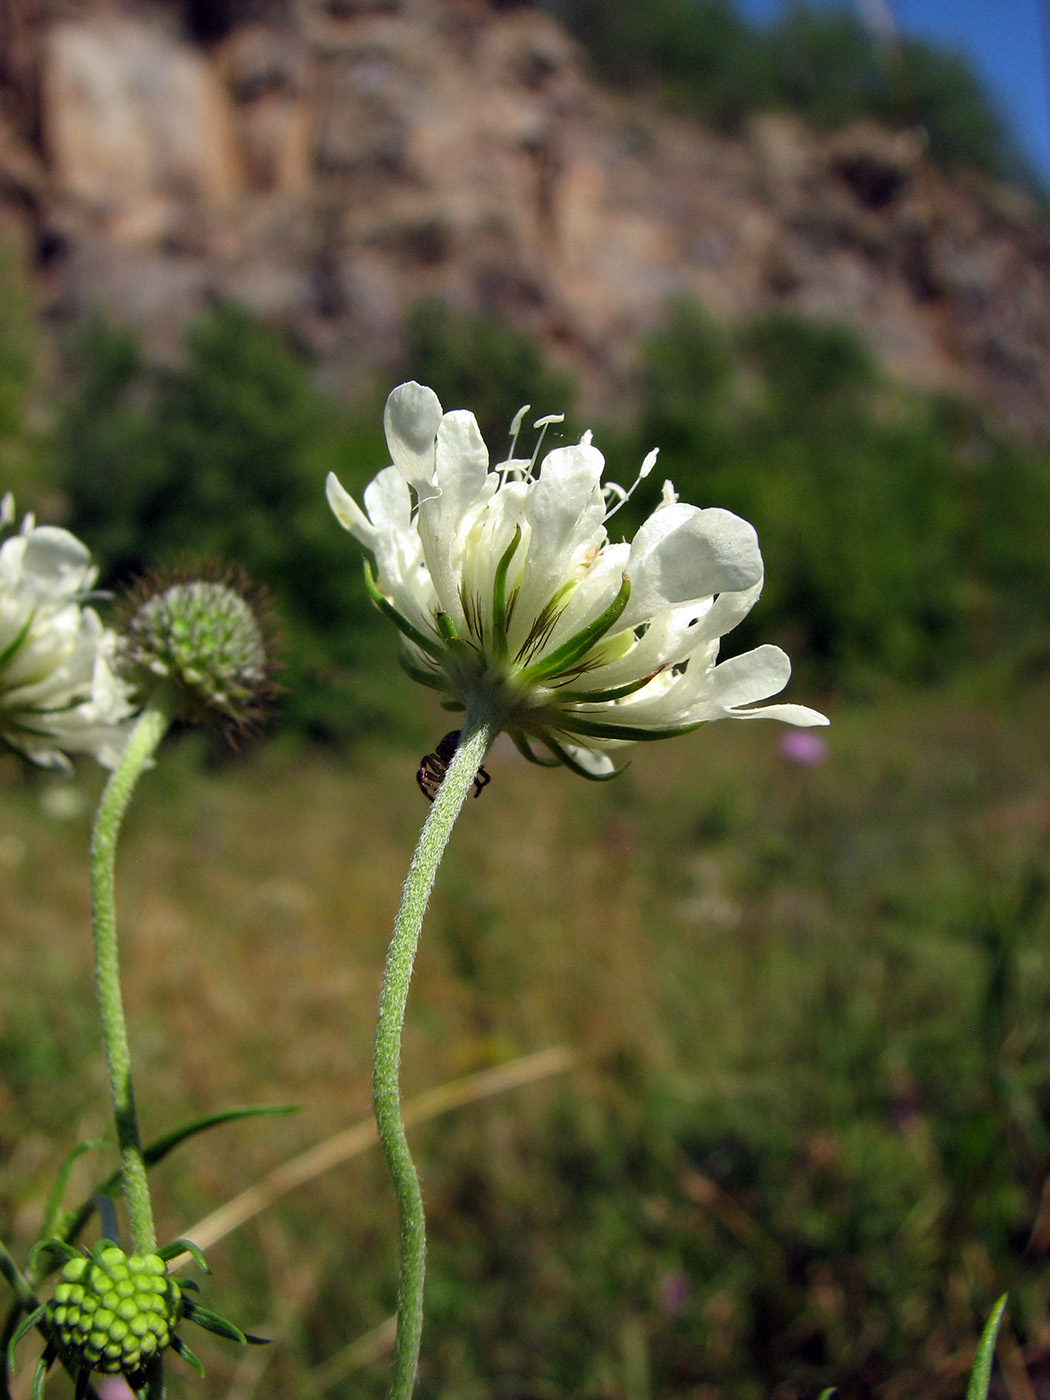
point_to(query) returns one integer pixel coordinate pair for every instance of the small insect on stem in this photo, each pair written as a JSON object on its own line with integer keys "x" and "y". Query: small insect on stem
{"x": 433, "y": 767}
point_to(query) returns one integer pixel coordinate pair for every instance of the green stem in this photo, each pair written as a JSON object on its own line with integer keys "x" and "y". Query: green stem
{"x": 149, "y": 730}
{"x": 479, "y": 729}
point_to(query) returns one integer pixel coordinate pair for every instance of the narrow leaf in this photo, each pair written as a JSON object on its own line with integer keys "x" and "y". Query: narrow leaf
{"x": 184, "y": 1247}
{"x": 599, "y": 729}
{"x": 53, "y": 1210}
{"x": 565, "y": 757}
{"x": 37, "y": 1393}
{"x": 24, "y": 1328}
{"x": 58, "y": 1249}
{"x": 499, "y": 597}
{"x": 527, "y": 751}
{"x": 180, "y": 1348}
{"x": 981, "y": 1375}
{"x": 212, "y": 1322}
{"x": 159, "y": 1149}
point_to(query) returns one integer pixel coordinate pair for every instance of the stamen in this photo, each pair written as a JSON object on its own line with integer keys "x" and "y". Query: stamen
{"x": 646, "y": 468}
{"x": 515, "y": 429}
{"x": 542, "y": 424}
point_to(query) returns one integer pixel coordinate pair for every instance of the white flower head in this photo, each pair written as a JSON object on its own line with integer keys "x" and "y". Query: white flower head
{"x": 58, "y": 692}
{"x": 509, "y": 593}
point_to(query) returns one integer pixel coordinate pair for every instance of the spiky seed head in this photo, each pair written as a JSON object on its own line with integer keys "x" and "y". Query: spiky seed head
{"x": 209, "y": 638}
{"x": 114, "y": 1312}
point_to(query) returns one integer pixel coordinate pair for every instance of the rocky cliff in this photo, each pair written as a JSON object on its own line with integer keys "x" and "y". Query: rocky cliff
{"x": 329, "y": 162}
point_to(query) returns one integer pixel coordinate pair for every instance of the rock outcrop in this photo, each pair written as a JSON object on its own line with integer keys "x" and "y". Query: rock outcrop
{"x": 330, "y": 162}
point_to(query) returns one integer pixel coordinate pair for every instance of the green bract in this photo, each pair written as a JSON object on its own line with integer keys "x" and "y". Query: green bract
{"x": 204, "y": 639}
{"x": 117, "y": 1313}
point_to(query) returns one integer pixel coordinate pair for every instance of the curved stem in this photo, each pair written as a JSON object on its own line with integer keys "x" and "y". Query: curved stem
{"x": 479, "y": 729}
{"x": 149, "y": 730}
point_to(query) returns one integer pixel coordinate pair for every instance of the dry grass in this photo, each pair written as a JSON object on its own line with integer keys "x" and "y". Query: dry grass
{"x": 696, "y": 919}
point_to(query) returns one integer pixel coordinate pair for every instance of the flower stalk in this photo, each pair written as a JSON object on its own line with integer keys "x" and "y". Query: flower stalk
{"x": 149, "y": 730}
{"x": 480, "y": 726}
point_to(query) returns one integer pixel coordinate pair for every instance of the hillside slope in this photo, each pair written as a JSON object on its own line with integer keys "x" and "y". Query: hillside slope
{"x": 329, "y": 162}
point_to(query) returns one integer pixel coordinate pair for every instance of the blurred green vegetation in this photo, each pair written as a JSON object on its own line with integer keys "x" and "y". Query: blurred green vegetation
{"x": 805, "y": 1141}
{"x": 904, "y": 539}
{"x": 826, "y": 65}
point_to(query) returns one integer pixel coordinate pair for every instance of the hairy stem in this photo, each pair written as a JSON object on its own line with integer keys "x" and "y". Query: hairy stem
{"x": 149, "y": 730}
{"x": 477, "y": 734}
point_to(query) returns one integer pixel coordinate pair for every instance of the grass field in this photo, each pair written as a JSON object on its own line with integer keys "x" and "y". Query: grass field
{"x": 803, "y": 1139}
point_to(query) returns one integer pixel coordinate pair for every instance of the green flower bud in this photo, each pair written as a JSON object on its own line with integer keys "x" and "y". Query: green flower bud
{"x": 207, "y": 638}
{"x": 97, "y": 1329}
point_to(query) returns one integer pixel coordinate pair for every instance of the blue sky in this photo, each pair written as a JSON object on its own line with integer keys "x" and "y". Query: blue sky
{"x": 1003, "y": 40}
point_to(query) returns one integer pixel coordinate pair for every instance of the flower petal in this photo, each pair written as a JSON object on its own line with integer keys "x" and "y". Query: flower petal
{"x": 410, "y": 420}
{"x": 682, "y": 554}
{"x": 565, "y": 510}
{"x": 348, "y": 512}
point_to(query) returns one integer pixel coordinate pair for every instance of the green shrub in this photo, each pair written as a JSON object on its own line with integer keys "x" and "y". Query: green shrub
{"x": 899, "y": 534}
{"x": 225, "y": 458}
{"x": 478, "y": 361}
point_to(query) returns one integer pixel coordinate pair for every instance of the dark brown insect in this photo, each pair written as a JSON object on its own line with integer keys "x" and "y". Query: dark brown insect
{"x": 432, "y": 769}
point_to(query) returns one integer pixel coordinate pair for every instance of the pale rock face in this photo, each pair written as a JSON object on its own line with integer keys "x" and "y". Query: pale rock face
{"x": 137, "y": 125}
{"x": 461, "y": 150}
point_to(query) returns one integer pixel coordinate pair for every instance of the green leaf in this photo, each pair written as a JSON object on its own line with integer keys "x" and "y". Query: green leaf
{"x": 24, "y": 1328}
{"x": 614, "y": 692}
{"x": 598, "y": 729}
{"x": 528, "y": 752}
{"x": 170, "y": 1251}
{"x": 212, "y": 1322}
{"x": 37, "y": 1393}
{"x": 53, "y": 1210}
{"x": 499, "y": 597}
{"x": 435, "y": 680}
{"x": 61, "y": 1251}
{"x": 19, "y": 1286}
{"x": 981, "y": 1374}
{"x": 570, "y": 763}
{"x": 159, "y": 1149}
{"x": 180, "y": 1348}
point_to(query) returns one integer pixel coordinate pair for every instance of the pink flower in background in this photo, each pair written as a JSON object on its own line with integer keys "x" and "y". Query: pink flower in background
{"x": 803, "y": 747}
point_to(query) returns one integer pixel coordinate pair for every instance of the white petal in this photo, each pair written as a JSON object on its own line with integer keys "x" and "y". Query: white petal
{"x": 566, "y": 511}
{"x": 462, "y": 459}
{"x": 800, "y": 715}
{"x": 461, "y": 482}
{"x": 388, "y": 501}
{"x": 599, "y": 765}
{"x": 595, "y": 591}
{"x": 683, "y": 553}
{"x": 411, "y": 419}
{"x": 725, "y": 612}
{"x": 348, "y": 512}
{"x": 753, "y": 676}
{"x": 59, "y": 565}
